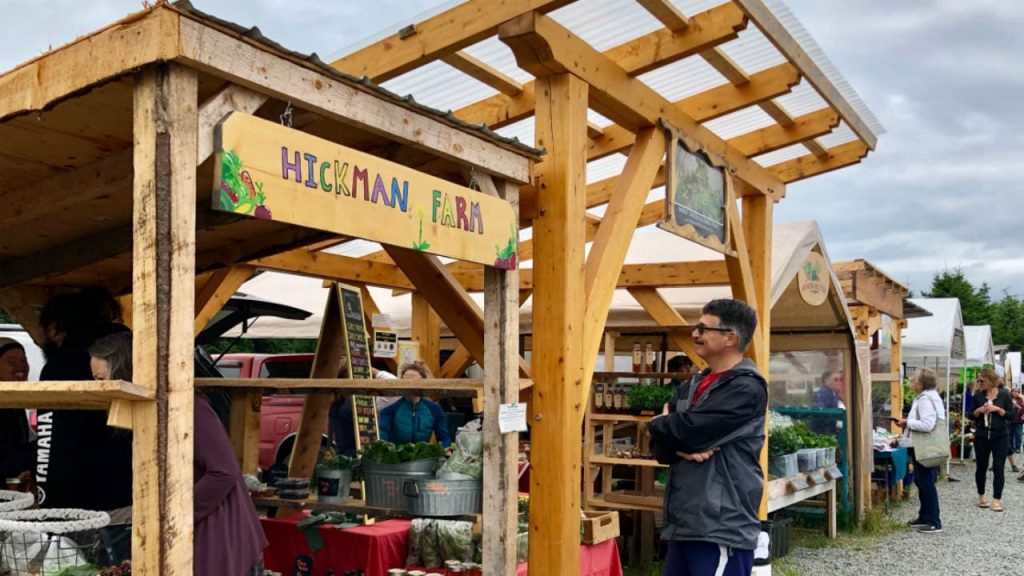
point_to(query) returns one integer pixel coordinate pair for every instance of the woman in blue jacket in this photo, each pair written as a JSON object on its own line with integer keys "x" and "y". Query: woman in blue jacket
{"x": 413, "y": 418}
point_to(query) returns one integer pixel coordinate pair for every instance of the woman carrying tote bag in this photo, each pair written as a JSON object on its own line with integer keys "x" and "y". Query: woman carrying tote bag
{"x": 925, "y": 427}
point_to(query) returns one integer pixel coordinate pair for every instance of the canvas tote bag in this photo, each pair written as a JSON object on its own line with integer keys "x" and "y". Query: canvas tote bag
{"x": 931, "y": 449}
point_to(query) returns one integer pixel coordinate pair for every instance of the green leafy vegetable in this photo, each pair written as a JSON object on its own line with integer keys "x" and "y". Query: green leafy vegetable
{"x": 384, "y": 452}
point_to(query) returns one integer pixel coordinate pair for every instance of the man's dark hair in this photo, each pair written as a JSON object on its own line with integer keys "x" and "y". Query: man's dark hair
{"x": 736, "y": 316}
{"x": 75, "y": 311}
{"x": 679, "y": 363}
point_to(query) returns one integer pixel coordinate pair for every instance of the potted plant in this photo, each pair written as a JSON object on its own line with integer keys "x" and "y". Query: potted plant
{"x": 648, "y": 400}
{"x": 334, "y": 477}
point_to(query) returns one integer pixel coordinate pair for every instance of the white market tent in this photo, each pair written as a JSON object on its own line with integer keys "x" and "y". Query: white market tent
{"x": 1013, "y": 362}
{"x": 978, "y": 345}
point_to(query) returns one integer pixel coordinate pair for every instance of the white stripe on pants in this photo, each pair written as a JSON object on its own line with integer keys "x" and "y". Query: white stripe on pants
{"x": 723, "y": 559}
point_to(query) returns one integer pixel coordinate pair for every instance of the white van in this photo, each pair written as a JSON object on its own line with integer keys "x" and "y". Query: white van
{"x": 33, "y": 352}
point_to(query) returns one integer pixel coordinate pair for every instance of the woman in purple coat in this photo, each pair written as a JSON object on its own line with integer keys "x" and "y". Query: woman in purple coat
{"x": 228, "y": 539}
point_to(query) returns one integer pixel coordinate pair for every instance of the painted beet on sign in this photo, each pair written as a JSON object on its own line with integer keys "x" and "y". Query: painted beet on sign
{"x": 238, "y": 192}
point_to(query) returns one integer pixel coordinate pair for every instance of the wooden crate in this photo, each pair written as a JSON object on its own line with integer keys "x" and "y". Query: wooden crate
{"x": 599, "y": 526}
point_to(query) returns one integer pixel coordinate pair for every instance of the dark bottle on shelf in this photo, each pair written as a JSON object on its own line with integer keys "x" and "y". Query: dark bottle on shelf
{"x": 599, "y": 396}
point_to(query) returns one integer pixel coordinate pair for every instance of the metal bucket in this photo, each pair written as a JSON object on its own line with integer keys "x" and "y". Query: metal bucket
{"x": 384, "y": 482}
{"x": 432, "y": 497}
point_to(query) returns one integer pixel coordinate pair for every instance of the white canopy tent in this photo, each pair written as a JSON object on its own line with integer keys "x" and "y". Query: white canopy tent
{"x": 978, "y": 346}
{"x": 937, "y": 341}
{"x": 1013, "y": 363}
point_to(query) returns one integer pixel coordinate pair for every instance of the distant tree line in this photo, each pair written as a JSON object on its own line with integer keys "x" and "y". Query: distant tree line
{"x": 1006, "y": 316}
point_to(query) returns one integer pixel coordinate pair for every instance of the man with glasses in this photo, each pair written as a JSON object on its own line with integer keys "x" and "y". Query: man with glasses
{"x": 711, "y": 434}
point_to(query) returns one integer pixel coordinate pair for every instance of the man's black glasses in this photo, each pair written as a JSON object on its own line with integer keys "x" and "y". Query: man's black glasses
{"x": 701, "y": 329}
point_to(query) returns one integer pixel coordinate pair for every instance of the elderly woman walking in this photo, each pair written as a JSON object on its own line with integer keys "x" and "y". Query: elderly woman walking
{"x": 926, "y": 413}
{"x": 993, "y": 412}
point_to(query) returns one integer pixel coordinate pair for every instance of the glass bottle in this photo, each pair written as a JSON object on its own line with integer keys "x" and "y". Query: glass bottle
{"x": 599, "y": 396}
{"x": 638, "y": 358}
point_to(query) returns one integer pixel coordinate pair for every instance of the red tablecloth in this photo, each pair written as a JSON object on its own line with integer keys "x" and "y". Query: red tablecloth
{"x": 374, "y": 549}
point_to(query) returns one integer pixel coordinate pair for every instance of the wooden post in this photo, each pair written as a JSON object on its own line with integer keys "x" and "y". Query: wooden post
{"x": 896, "y": 388}
{"x": 245, "y": 429}
{"x": 501, "y": 386}
{"x": 757, "y": 228}
{"x": 557, "y": 368}
{"x": 426, "y": 329}
{"x": 163, "y": 275}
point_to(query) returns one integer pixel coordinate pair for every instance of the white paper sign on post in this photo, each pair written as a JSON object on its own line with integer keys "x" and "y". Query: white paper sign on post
{"x": 512, "y": 418}
{"x": 385, "y": 344}
{"x": 381, "y": 321}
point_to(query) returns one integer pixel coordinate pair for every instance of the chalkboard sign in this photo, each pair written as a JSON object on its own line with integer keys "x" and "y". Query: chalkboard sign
{"x": 357, "y": 349}
{"x": 364, "y": 416}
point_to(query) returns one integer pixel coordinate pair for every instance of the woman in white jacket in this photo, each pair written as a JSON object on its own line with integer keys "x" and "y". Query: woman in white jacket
{"x": 926, "y": 413}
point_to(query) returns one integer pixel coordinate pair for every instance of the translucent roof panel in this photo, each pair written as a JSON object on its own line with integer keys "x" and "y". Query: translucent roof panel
{"x": 783, "y": 155}
{"x": 739, "y": 123}
{"x": 500, "y": 57}
{"x": 804, "y": 99}
{"x": 683, "y": 79}
{"x": 752, "y": 51}
{"x": 440, "y": 86}
{"x": 604, "y": 24}
{"x": 841, "y": 135}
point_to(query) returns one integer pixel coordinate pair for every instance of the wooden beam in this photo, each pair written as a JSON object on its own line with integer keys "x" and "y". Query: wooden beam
{"x": 816, "y": 148}
{"x": 479, "y": 70}
{"x": 811, "y": 165}
{"x": 261, "y": 69}
{"x": 611, "y": 242}
{"x": 740, "y": 273}
{"x": 461, "y": 387}
{"x": 327, "y": 363}
{"x": 643, "y": 54}
{"x": 543, "y": 47}
{"x": 665, "y": 315}
{"x": 39, "y": 83}
{"x": 665, "y": 274}
{"x": 777, "y": 112}
{"x": 777, "y": 33}
{"x": 426, "y": 330}
{"x": 558, "y": 311}
{"x": 436, "y": 37}
{"x": 216, "y": 292}
{"x": 728, "y": 98}
{"x": 335, "y": 267}
{"x": 666, "y": 13}
{"x": 725, "y": 66}
{"x": 165, "y": 125}
{"x": 457, "y": 363}
{"x": 501, "y": 386}
{"x": 776, "y": 137}
{"x": 757, "y": 231}
{"x": 594, "y": 131}
{"x": 434, "y": 282}
{"x": 231, "y": 98}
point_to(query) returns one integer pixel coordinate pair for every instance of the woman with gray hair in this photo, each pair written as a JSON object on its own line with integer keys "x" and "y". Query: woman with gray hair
{"x": 926, "y": 413}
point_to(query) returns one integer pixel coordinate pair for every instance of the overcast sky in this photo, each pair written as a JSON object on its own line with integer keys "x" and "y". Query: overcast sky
{"x": 945, "y": 78}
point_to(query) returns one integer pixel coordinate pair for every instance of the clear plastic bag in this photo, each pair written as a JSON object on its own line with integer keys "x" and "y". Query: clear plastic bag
{"x": 466, "y": 461}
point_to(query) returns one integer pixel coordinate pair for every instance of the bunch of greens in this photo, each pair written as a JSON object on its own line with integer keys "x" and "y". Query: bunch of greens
{"x": 384, "y": 452}
{"x": 651, "y": 397}
{"x": 331, "y": 460}
{"x": 792, "y": 438}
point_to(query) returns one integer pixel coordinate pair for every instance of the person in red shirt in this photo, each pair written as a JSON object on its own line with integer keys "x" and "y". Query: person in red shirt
{"x": 711, "y": 434}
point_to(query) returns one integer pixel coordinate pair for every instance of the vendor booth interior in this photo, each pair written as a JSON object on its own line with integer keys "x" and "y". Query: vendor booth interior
{"x": 171, "y": 155}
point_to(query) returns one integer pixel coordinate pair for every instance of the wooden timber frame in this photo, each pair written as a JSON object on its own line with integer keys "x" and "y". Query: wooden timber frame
{"x": 105, "y": 166}
{"x": 572, "y": 290}
{"x": 874, "y": 298}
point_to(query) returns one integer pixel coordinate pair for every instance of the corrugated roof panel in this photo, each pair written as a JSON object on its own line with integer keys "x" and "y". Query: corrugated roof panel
{"x": 804, "y": 99}
{"x": 606, "y": 167}
{"x": 605, "y": 24}
{"x": 841, "y": 135}
{"x": 500, "y": 57}
{"x": 788, "y": 153}
{"x": 440, "y": 86}
{"x": 683, "y": 78}
{"x": 523, "y": 130}
{"x": 752, "y": 51}
{"x": 739, "y": 123}
{"x": 692, "y": 7}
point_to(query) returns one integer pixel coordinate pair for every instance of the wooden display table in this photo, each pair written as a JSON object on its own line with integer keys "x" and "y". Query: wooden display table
{"x": 785, "y": 492}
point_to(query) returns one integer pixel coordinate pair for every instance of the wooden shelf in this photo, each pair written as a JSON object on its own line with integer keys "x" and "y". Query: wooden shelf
{"x": 643, "y": 374}
{"x": 88, "y": 394}
{"x": 362, "y": 387}
{"x": 629, "y": 502}
{"x": 620, "y": 417}
{"x": 626, "y": 461}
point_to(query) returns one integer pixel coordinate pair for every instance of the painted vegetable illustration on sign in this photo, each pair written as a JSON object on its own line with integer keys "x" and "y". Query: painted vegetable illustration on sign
{"x": 420, "y": 244}
{"x": 506, "y": 257}
{"x": 239, "y": 193}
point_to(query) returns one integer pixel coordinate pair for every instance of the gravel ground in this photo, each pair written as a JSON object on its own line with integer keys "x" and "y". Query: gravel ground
{"x": 974, "y": 541}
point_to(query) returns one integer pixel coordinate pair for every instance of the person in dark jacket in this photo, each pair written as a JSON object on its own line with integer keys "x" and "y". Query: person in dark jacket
{"x": 17, "y": 454}
{"x": 711, "y": 434}
{"x": 413, "y": 418}
{"x": 72, "y": 443}
{"x": 993, "y": 412}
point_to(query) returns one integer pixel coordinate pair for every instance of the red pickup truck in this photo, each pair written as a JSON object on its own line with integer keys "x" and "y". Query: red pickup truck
{"x": 279, "y": 418}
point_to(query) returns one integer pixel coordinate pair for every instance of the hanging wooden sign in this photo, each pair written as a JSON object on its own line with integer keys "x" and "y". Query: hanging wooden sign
{"x": 695, "y": 194}
{"x": 266, "y": 170}
{"x": 813, "y": 279}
